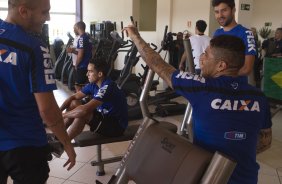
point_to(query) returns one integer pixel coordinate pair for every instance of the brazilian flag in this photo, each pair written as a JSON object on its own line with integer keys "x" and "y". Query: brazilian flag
{"x": 272, "y": 78}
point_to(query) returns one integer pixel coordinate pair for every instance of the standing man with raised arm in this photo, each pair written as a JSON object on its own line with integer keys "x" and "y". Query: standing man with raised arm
{"x": 26, "y": 97}
{"x": 229, "y": 115}
{"x": 225, "y": 15}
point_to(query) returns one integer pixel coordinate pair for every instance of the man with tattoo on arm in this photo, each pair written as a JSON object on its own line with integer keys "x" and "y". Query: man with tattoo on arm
{"x": 229, "y": 115}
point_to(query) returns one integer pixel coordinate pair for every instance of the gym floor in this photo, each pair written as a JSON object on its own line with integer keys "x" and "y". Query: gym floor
{"x": 83, "y": 173}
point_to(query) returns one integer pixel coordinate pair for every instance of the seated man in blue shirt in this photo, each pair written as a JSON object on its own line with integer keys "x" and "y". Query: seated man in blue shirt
{"x": 229, "y": 115}
{"x": 105, "y": 113}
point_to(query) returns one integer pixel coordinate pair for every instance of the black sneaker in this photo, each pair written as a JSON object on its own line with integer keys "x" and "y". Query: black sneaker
{"x": 51, "y": 138}
{"x": 57, "y": 148}
{"x": 49, "y": 157}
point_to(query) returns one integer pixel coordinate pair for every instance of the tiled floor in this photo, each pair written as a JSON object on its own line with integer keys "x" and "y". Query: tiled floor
{"x": 271, "y": 160}
{"x": 83, "y": 173}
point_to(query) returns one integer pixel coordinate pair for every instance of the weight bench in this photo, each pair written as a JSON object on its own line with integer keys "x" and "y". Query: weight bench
{"x": 168, "y": 158}
{"x": 88, "y": 138}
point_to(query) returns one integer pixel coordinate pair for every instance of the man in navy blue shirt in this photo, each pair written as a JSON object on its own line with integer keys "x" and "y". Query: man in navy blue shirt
{"x": 26, "y": 97}
{"x": 224, "y": 11}
{"x": 83, "y": 51}
{"x": 105, "y": 113}
{"x": 229, "y": 115}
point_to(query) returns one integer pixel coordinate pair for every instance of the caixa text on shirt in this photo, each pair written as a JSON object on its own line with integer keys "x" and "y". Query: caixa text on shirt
{"x": 8, "y": 57}
{"x": 235, "y": 105}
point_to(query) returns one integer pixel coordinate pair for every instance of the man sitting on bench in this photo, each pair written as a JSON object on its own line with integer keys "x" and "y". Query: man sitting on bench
{"x": 106, "y": 112}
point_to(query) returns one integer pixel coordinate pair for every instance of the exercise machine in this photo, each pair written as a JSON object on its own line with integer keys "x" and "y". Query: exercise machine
{"x": 186, "y": 125}
{"x": 163, "y": 101}
{"x": 156, "y": 155}
{"x": 133, "y": 85}
{"x": 63, "y": 58}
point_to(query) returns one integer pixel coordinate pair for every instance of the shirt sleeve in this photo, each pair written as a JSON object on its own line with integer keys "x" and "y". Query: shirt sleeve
{"x": 188, "y": 85}
{"x": 80, "y": 43}
{"x": 103, "y": 93}
{"x": 216, "y": 33}
{"x": 250, "y": 43}
{"x": 87, "y": 89}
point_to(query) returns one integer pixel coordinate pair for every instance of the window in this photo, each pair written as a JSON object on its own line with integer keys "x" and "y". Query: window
{"x": 4, "y": 4}
{"x": 62, "y": 17}
{"x": 3, "y": 9}
{"x": 3, "y": 13}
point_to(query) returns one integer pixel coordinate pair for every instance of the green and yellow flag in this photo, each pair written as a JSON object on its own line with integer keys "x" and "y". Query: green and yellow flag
{"x": 272, "y": 78}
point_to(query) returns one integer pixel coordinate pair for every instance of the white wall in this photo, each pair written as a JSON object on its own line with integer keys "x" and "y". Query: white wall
{"x": 267, "y": 11}
{"x": 176, "y": 14}
{"x": 107, "y": 10}
{"x": 213, "y": 24}
{"x": 163, "y": 19}
{"x": 244, "y": 17}
{"x": 192, "y": 10}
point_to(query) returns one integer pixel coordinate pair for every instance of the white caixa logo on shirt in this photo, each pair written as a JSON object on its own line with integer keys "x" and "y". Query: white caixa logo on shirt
{"x": 235, "y": 105}
{"x": 8, "y": 57}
